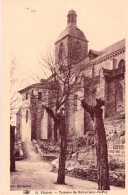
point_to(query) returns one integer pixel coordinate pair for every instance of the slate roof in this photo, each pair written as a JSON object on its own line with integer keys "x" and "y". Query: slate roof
{"x": 72, "y": 31}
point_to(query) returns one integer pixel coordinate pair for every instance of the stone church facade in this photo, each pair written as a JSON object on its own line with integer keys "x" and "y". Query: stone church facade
{"x": 104, "y": 77}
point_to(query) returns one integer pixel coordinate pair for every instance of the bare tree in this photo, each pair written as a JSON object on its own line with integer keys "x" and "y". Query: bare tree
{"x": 101, "y": 143}
{"x": 14, "y": 98}
{"x": 64, "y": 81}
{"x": 17, "y": 80}
{"x": 13, "y": 103}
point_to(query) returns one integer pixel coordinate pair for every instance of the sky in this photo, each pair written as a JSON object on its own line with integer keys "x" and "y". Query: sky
{"x": 27, "y": 34}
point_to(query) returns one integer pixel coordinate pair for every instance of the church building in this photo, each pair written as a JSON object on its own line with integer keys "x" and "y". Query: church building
{"x": 104, "y": 77}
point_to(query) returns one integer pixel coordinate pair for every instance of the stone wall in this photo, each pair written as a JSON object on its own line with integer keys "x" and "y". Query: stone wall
{"x": 115, "y": 130}
{"x": 83, "y": 48}
{"x": 115, "y": 133}
{"x": 39, "y": 118}
{"x": 65, "y": 51}
{"x": 114, "y": 95}
{"x": 34, "y": 127}
{"x": 83, "y": 162}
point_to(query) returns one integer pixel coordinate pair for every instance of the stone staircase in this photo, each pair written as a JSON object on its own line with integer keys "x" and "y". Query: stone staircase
{"x": 30, "y": 152}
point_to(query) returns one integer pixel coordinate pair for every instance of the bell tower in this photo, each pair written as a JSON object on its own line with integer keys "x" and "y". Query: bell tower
{"x": 71, "y": 18}
{"x": 71, "y": 45}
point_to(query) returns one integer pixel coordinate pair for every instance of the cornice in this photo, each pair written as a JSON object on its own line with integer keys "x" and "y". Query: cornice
{"x": 108, "y": 57}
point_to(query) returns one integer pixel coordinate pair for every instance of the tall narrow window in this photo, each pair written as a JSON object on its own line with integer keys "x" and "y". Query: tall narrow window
{"x": 32, "y": 94}
{"x": 39, "y": 95}
{"x": 26, "y": 116}
{"x": 77, "y": 51}
{"x": 26, "y": 96}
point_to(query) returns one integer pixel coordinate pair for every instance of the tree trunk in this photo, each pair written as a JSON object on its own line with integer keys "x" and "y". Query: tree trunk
{"x": 12, "y": 148}
{"x": 59, "y": 123}
{"x": 63, "y": 150}
{"x": 56, "y": 125}
{"x": 101, "y": 143}
{"x": 101, "y": 151}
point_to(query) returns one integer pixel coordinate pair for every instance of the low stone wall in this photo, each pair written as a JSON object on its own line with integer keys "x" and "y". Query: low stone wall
{"x": 115, "y": 178}
{"x": 82, "y": 165}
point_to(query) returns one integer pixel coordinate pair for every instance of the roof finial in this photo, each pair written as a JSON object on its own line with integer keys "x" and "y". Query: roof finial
{"x": 71, "y": 17}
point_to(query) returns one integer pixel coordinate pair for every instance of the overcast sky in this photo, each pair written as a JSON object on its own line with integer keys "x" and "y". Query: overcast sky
{"x": 27, "y": 34}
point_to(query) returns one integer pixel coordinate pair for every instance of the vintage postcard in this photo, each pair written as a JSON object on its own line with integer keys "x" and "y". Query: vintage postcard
{"x": 63, "y": 97}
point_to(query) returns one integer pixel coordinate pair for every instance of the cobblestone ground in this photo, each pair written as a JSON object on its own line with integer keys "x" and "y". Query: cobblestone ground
{"x": 34, "y": 174}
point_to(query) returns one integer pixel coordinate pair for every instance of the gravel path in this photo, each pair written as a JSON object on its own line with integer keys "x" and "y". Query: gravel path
{"x": 34, "y": 174}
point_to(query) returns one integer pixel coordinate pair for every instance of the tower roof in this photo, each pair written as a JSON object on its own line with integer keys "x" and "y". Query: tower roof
{"x": 71, "y": 28}
{"x": 72, "y": 12}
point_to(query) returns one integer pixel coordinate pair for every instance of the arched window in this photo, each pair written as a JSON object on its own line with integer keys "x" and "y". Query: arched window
{"x": 121, "y": 63}
{"x": 26, "y": 116}
{"x": 39, "y": 95}
{"x": 61, "y": 49}
{"x": 77, "y": 50}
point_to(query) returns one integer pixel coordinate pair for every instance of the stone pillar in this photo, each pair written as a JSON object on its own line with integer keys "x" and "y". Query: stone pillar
{"x": 114, "y": 61}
